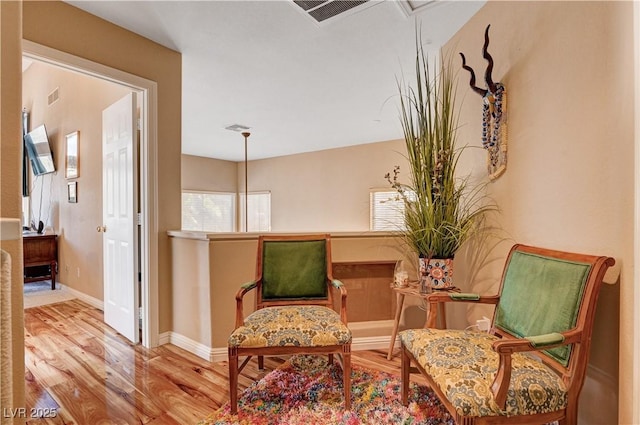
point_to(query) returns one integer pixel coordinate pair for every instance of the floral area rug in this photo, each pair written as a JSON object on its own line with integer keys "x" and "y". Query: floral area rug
{"x": 306, "y": 390}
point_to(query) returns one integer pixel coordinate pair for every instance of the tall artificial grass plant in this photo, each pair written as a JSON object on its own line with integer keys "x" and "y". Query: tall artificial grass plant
{"x": 442, "y": 209}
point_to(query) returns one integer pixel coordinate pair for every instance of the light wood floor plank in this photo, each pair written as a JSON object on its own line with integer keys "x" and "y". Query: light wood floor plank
{"x": 91, "y": 374}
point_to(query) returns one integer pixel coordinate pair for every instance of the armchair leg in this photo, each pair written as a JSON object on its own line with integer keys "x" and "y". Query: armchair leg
{"x": 261, "y": 362}
{"x": 346, "y": 377}
{"x": 233, "y": 380}
{"x": 405, "y": 362}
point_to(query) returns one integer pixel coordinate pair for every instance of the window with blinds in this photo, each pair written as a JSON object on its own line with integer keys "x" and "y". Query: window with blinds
{"x": 259, "y": 212}
{"x": 208, "y": 211}
{"x": 386, "y": 210}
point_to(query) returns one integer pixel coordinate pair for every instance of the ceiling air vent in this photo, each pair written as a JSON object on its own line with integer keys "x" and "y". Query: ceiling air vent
{"x": 323, "y": 10}
{"x": 237, "y": 127}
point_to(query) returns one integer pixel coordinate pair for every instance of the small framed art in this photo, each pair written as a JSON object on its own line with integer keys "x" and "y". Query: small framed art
{"x": 72, "y": 158}
{"x": 72, "y": 192}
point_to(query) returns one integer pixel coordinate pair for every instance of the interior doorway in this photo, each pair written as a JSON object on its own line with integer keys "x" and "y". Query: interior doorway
{"x": 146, "y": 90}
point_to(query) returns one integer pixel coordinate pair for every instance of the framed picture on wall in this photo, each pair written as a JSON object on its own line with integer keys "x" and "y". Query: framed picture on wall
{"x": 72, "y": 158}
{"x": 72, "y": 192}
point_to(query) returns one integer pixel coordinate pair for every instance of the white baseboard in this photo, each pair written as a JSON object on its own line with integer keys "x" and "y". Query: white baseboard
{"x": 602, "y": 377}
{"x": 194, "y": 347}
{"x": 164, "y": 338}
{"x": 94, "y": 302}
{"x": 372, "y": 324}
{"x": 599, "y": 398}
{"x": 370, "y": 343}
{"x": 220, "y": 354}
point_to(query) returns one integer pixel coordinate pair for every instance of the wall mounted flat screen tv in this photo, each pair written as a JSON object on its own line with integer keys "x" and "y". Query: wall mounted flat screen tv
{"x": 37, "y": 145}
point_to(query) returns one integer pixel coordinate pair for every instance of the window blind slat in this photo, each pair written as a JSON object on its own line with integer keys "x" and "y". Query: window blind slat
{"x": 386, "y": 210}
{"x": 259, "y": 210}
{"x": 208, "y": 212}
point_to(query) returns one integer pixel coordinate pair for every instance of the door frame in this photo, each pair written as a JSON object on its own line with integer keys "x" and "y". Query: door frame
{"x": 147, "y": 170}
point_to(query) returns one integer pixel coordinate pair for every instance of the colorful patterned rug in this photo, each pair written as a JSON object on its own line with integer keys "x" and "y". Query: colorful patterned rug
{"x": 306, "y": 390}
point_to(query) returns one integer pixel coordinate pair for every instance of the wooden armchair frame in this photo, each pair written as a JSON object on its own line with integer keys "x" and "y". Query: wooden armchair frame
{"x": 343, "y": 350}
{"x": 572, "y": 375}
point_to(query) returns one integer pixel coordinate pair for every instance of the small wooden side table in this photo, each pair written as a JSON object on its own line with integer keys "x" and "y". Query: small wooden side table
{"x": 413, "y": 292}
{"x": 40, "y": 250}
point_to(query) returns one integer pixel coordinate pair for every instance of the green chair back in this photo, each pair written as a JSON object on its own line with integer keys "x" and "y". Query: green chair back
{"x": 541, "y": 295}
{"x": 294, "y": 270}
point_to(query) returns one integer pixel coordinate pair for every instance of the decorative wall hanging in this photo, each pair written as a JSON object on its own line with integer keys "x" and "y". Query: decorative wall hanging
{"x": 494, "y": 114}
{"x": 72, "y": 158}
{"x": 72, "y": 192}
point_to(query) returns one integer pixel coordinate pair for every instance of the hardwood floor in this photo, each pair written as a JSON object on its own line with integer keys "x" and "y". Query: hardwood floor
{"x": 80, "y": 371}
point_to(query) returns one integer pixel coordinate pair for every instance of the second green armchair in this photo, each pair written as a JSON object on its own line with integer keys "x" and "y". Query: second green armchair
{"x": 294, "y": 308}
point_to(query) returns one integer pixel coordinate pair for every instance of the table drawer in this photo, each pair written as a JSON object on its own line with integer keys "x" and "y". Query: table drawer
{"x": 40, "y": 249}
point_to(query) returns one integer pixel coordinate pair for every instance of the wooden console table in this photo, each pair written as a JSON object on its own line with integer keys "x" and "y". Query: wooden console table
{"x": 40, "y": 250}
{"x": 413, "y": 292}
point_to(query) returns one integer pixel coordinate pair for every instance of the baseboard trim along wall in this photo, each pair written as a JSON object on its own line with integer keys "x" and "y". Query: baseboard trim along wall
{"x": 93, "y": 302}
{"x": 220, "y": 354}
{"x": 190, "y": 345}
{"x": 598, "y": 398}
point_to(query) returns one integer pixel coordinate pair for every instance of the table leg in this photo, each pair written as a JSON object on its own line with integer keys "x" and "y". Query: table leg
{"x": 443, "y": 315}
{"x": 53, "y": 266}
{"x": 396, "y": 323}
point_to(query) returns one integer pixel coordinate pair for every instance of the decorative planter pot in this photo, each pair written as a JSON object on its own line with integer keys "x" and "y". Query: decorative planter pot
{"x": 436, "y": 273}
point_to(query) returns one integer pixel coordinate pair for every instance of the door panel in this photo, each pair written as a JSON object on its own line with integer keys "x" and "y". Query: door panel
{"x": 120, "y": 236}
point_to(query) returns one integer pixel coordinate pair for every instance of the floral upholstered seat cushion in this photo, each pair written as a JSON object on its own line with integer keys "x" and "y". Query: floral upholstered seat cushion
{"x": 303, "y": 326}
{"x": 463, "y": 365}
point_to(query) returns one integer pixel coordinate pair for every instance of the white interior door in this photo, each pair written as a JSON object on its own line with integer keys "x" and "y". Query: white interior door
{"x": 119, "y": 212}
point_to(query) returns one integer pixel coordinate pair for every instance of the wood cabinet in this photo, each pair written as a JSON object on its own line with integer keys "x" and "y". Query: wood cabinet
{"x": 368, "y": 283}
{"x": 40, "y": 251}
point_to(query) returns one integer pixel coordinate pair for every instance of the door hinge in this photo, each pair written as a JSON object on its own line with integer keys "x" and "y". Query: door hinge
{"x": 139, "y": 218}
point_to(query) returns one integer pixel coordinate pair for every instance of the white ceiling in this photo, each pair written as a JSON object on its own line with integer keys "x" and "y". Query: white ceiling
{"x": 301, "y": 86}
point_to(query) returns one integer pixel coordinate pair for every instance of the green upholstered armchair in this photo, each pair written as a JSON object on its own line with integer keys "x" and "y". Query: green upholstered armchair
{"x": 530, "y": 367}
{"x": 294, "y": 308}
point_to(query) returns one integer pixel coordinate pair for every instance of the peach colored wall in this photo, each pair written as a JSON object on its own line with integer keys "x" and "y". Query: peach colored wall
{"x": 79, "y": 108}
{"x": 326, "y": 190}
{"x": 63, "y": 27}
{"x": 209, "y": 174}
{"x": 192, "y": 290}
{"x": 10, "y": 202}
{"x": 633, "y": 393}
{"x": 568, "y": 69}
{"x": 318, "y": 191}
